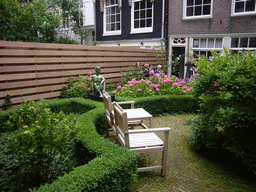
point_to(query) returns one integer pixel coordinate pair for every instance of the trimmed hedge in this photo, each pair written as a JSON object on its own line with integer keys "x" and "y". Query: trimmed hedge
{"x": 113, "y": 169}
{"x": 165, "y": 104}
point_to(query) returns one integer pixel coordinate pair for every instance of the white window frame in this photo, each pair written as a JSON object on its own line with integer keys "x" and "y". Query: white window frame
{"x": 241, "y": 13}
{"x": 205, "y": 49}
{"x": 196, "y": 16}
{"x": 144, "y": 29}
{"x": 243, "y": 49}
{"x": 110, "y": 33}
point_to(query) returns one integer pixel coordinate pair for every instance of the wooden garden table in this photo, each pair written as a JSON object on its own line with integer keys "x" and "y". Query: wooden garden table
{"x": 139, "y": 114}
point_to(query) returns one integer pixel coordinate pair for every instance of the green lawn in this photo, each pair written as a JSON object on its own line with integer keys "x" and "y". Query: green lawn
{"x": 187, "y": 169}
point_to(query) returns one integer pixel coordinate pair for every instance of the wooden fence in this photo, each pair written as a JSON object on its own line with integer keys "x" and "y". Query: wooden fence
{"x": 32, "y": 71}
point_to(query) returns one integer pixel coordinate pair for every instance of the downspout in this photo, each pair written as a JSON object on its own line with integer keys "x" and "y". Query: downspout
{"x": 163, "y": 14}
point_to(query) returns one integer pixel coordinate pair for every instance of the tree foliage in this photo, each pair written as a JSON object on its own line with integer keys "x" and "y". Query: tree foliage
{"x": 38, "y": 20}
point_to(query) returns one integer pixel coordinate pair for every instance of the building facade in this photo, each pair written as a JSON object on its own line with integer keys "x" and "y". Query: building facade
{"x": 195, "y": 27}
{"x": 130, "y": 23}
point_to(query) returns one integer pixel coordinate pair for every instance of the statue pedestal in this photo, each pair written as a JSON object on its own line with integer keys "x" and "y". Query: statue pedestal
{"x": 98, "y": 98}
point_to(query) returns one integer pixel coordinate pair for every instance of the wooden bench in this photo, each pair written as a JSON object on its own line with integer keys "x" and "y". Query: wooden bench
{"x": 109, "y": 112}
{"x": 141, "y": 140}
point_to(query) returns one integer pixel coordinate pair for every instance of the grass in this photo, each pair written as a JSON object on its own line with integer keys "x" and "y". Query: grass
{"x": 189, "y": 170}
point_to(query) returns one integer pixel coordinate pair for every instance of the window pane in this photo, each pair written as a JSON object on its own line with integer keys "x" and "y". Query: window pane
{"x": 196, "y": 43}
{"x": 142, "y": 14}
{"x": 196, "y": 53}
{"x": 149, "y": 13}
{"x": 252, "y": 42}
{"x": 113, "y": 10}
{"x": 218, "y": 43}
{"x": 190, "y": 2}
{"x": 118, "y": 17}
{"x": 239, "y": 7}
{"x": 113, "y": 27}
{"x": 149, "y": 4}
{"x": 142, "y": 4}
{"x": 136, "y": 5}
{"x": 108, "y": 27}
{"x": 118, "y": 26}
{"x": 234, "y": 42}
{"x": 206, "y": 10}
{"x": 190, "y": 11}
{"x": 142, "y": 23}
{"x": 211, "y": 43}
{"x": 136, "y": 24}
{"x": 112, "y": 18}
{"x": 108, "y": 19}
{"x": 203, "y": 53}
{"x": 136, "y": 15}
{"x": 244, "y": 42}
{"x": 198, "y": 10}
{"x": 203, "y": 43}
{"x": 207, "y": 1}
{"x": 198, "y": 2}
{"x": 250, "y": 6}
{"x": 149, "y": 22}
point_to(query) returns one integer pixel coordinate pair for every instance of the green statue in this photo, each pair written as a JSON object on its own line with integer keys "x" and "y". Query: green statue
{"x": 99, "y": 83}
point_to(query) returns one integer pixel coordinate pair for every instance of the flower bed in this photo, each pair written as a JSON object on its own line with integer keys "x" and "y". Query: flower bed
{"x": 156, "y": 84}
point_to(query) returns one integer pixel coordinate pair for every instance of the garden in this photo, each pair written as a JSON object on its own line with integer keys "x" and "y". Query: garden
{"x": 61, "y": 145}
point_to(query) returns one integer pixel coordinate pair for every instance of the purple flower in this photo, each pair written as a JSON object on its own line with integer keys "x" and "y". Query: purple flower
{"x": 130, "y": 85}
{"x": 139, "y": 90}
{"x": 114, "y": 92}
{"x": 89, "y": 73}
{"x": 197, "y": 74}
{"x": 78, "y": 85}
{"x": 175, "y": 84}
{"x": 119, "y": 87}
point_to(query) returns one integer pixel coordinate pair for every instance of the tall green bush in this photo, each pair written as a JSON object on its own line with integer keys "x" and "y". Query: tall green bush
{"x": 227, "y": 93}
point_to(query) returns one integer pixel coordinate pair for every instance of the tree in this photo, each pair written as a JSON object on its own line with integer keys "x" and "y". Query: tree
{"x": 38, "y": 20}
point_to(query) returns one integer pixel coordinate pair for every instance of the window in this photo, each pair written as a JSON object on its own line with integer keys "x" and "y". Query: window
{"x": 243, "y": 44}
{"x": 142, "y": 16}
{"x": 203, "y": 46}
{"x": 112, "y": 18}
{"x": 197, "y": 9}
{"x": 243, "y": 7}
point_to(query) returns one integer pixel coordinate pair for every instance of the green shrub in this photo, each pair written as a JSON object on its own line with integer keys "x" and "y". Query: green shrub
{"x": 80, "y": 87}
{"x": 131, "y": 73}
{"x": 226, "y": 89}
{"x": 164, "y": 104}
{"x": 40, "y": 137}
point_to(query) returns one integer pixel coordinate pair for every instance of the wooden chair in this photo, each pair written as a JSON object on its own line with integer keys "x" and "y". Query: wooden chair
{"x": 109, "y": 112}
{"x": 141, "y": 140}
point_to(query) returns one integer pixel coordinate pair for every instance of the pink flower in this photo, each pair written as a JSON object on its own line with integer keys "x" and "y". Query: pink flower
{"x": 157, "y": 89}
{"x": 130, "y": 91}
{"x": 188, "y": 89}
{"x": 156, "y": 86}
{"x": 177, "y": 78}
{"x": 78, "y": 85}
{"x": 123, "y": 88}
{"x": 89, "y": 89}
{"x": 134, "y": 81}
{"x": 129, "y": 82}
{"x": 215, "y": 84}
{"x": 114, "y": 92}
{"x": 150, "y": 90}
{"x": 139, "y": 90}
{"x": 169, "y": 79}
{"x": 183, "y": 91}
{"x": 197, "y": 74}
{"x": 130, "y": 85}
{"x": 175, "y": 84}
{"x": 184, "y": 87}
{"x": 162, "y": 74}
{"x": 148, "y": 82}
{"x": 182, "y": 83}
{"x": 90, "y": 79}
{"x": 143, "y": 80}
{"x": 89, "y": 73}
{"x": 163, "y": 81}
{"x": 151, "y": 72}
{"x": 119, "y": 87}
{"x": 156, "y": 75}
